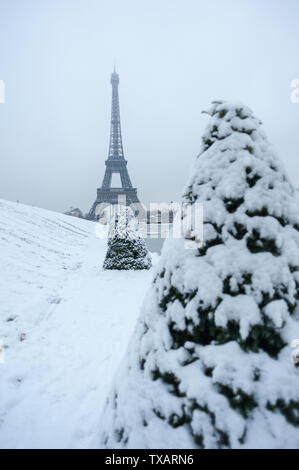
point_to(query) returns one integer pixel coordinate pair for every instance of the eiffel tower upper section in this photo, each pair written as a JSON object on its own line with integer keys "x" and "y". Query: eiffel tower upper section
{"x": 116, "y": 150}
{"x": 115, "y": 162}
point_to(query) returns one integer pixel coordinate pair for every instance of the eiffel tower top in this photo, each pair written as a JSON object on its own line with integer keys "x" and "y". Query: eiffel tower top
{"x": 114, "y": 76}
{"x": 116, "y": 151}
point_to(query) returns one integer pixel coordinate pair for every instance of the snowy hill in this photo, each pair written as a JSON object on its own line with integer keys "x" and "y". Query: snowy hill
{"x": 65, "y": 324}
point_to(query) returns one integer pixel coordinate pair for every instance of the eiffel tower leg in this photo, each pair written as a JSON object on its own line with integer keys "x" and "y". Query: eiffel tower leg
{"x": 92, "y": 212}
{"x": 107, "y": 178}
{"x": 125, "y": 179}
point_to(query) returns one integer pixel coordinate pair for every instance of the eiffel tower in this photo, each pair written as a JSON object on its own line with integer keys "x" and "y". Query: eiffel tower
{"x": 115, "y": 162}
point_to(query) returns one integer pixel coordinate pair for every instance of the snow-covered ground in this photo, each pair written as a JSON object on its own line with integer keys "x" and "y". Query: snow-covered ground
{"x": 65, "y": 324}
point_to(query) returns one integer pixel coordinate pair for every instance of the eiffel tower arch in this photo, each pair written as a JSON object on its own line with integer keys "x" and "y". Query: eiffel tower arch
{"x": 115, "y": 162}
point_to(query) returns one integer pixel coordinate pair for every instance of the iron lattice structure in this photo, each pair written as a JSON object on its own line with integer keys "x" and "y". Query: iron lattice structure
{"x": 115, "y": 162}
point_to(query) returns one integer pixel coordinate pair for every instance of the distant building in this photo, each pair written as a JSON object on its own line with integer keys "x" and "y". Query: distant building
{"x": 75, "y": 213}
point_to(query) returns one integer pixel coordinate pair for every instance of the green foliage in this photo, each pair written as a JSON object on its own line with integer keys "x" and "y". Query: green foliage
{"x": 232, "y": 205}
{"x": 239, "y": 400}
{"x": 290, "y": 410}
{"x": 257, "y": 244}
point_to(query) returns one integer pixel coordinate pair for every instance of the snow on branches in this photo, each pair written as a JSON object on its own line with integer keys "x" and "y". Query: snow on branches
{"x": 126, "y": 250}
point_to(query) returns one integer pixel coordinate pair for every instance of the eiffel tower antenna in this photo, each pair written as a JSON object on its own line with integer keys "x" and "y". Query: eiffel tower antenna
{"x": 115, "y": 162}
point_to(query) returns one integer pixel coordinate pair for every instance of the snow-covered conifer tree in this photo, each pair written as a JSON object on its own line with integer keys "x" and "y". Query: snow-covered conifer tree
{"x": 126, "y": 250}
{"x": 209, "y": 364}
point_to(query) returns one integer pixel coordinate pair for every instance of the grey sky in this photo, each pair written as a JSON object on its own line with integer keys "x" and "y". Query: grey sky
{"x": 173, "y": 58}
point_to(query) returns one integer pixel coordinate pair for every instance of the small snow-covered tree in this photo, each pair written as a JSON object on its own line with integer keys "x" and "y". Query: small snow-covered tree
{"x": 126, "y": 250}
{"x": 209, "y": 364}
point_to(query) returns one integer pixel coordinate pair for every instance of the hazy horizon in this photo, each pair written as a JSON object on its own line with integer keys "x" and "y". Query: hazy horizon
{"x": 173, "y": 58}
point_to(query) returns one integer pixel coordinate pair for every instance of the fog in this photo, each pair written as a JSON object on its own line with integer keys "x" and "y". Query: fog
{"x": 173, "y": 58}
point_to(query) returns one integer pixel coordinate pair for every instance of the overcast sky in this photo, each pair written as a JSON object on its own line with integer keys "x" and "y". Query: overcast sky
{"x": 173, "y": 57}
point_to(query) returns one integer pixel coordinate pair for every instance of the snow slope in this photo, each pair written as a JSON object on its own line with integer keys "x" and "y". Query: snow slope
{"x": 65, "y": 324}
